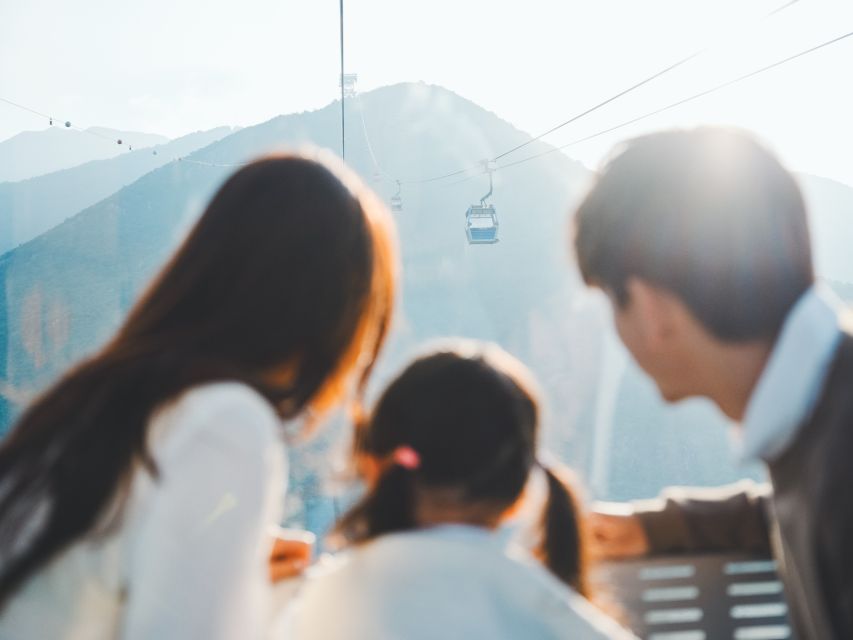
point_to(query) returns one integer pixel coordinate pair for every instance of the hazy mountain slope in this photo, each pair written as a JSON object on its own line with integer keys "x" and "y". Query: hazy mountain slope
{"x": 413, "y": 123}
{"x": 34, "y": 153}
{"x": 65, "y": 291}
{"x": 31, "y": 207}
{"x": 831, "y": 206}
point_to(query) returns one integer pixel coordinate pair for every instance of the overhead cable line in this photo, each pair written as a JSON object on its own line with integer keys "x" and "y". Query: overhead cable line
{"x": 479, "y": 165}
{"x": 647, "y": 115}
{"x": 343, "y": 88}
{"x": 67, "y": 123}
{"x": 678, "y": 103}
{"x": 598, "y": 106}
{"x": 378, "y": 167}
{"x": 25, "y": 108}
{"x": 625, "y": 92}
{"x": 210, "y": 164}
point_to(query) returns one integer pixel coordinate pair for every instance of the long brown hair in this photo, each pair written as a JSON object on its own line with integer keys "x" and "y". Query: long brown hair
{"x": 286, "y": 283}
{"x": 470, "y": 416}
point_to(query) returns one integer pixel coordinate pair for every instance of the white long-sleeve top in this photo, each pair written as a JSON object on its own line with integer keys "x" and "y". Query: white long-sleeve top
{"x": 451, "y": 582}
{"x": 188, "y": 558}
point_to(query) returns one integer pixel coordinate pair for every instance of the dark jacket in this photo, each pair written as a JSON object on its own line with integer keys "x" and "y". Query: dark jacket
{"x": 805, "y": 515}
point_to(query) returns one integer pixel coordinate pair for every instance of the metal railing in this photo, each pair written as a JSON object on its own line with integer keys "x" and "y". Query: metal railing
{"x": 699, "y": 597}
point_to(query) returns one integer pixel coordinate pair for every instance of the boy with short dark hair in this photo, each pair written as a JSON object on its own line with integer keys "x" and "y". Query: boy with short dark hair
{"x": 700, "y": 240}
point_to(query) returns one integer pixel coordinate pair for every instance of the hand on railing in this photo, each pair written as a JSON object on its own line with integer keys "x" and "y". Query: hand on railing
{"x": 291, "y": 553}
{"x": 616, "y": 533}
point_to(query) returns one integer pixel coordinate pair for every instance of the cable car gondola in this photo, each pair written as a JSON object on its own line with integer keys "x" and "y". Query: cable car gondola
{"x": 481, "y": 221}
{"x": 397, "y": 200}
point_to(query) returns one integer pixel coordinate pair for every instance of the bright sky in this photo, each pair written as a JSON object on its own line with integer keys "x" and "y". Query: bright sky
{"x": 171, "y": 67}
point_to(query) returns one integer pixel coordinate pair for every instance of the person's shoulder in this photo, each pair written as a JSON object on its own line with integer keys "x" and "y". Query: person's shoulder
{"x": 329, "y": 569}
{"x": 558, "y": 605}
{"x": 452, "y": 565}
{"x": 385, "y": 564}
{"x": 229, "y": 412}
{"x": 452, "y": 548}
{"x": 226, "y": 396}
{"x": 328, "y": 581}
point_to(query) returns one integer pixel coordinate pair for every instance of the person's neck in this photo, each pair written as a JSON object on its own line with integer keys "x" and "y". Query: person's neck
{"x": 730, "y": 372}
{"x": 434, "y": 510}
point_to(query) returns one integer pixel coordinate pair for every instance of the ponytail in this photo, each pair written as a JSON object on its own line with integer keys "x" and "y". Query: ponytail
{"x": 563, "y": 546}
{"x": 387, "y": 508}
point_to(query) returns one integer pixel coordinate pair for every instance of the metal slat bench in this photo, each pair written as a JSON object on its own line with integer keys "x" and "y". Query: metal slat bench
{"x": 699, "y": 597}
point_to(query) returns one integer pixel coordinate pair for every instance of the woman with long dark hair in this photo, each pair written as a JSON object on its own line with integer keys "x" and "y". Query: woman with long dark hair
{"x": 136, "y": 493}
{"x": 447, "y": 455}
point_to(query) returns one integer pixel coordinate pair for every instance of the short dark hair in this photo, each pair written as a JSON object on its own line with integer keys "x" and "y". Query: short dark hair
{"x": 708, "y": 214}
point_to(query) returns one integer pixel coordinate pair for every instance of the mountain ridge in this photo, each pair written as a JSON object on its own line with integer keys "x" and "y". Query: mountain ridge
{"x": 66, "y": 290}
{"x": 32, "y": 206}
{"x": 33, "y": 153}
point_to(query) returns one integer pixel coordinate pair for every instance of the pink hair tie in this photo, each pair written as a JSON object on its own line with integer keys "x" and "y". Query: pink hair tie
{"x": 406, "y": 457}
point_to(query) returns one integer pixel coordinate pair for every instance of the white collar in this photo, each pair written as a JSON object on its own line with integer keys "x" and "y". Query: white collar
{"x": 500, "y": 538}
{"x": 790, "y": 385}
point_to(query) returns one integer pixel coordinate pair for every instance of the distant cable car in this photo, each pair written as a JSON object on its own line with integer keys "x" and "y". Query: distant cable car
{"x": 118, "y": 141}
{"x": 397, "y": 200}
{"x": 481, "y": 221}
{"x": 51, "y": 122}
{"x": 154, "y": 152}
{"x": 67, "y": 124}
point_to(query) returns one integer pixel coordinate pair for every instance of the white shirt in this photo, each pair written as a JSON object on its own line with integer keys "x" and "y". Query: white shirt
{"x": 189, "y": 556}
{"x": 450, "y": 582}
{"x": 790, "y": 385}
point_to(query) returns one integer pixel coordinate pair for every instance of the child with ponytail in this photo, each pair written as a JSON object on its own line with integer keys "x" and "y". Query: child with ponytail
{"x": 446, "y": 456}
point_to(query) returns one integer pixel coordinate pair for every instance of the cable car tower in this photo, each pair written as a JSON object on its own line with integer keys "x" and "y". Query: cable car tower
{"x": 347, "y": 82}
{"x": 397, "y": 200}
{"x": 481, "y": 221}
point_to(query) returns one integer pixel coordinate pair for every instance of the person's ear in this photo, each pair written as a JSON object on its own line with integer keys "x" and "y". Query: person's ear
{"x": 655, "y": 312}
